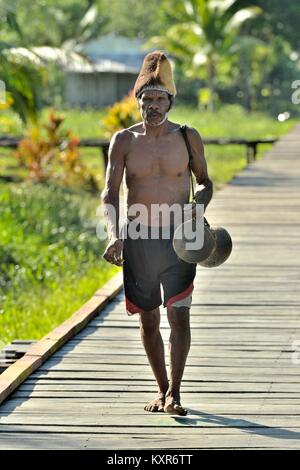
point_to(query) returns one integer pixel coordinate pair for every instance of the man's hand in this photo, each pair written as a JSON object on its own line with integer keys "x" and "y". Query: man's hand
{"x": 113, "y": 253}
{"x": 204, "y": 195}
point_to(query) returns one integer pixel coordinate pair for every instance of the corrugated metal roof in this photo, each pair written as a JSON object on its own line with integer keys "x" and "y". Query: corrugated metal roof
{"x": 72, "y": 61}
{"x": 117, "y": 49}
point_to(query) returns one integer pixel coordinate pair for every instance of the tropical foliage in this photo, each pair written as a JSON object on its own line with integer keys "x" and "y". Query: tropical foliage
{"x": 202, "y": 36}
{"x": 50, "y": 152}
{"x": 22, "y": 79}
{"x": 122, "y": 114}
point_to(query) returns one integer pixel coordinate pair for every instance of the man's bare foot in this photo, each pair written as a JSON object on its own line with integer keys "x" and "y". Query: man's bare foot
{"x": 173, "y": 405}
{"x": 157, "y": 404}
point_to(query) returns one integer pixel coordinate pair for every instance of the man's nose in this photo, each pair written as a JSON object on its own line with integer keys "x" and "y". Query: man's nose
{"x": 154, "y": 106}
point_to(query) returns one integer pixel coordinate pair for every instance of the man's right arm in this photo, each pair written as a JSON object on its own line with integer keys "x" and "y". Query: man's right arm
{"x": 110, "y": 195}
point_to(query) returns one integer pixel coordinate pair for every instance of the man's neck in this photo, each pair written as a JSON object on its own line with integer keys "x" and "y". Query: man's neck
{"x": 156, "y": 131}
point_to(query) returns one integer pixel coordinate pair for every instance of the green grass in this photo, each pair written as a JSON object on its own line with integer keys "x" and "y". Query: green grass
{"x": 50, "y": 257}
{"x": 231, "y": 121}
{"x": 32, "y": 313}
{"x": 86, "y": 124}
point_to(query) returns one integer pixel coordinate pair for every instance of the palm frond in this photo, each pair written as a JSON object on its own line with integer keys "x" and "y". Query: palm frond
{"x": 238, "y": 5}
{"x": 240, "y": 17}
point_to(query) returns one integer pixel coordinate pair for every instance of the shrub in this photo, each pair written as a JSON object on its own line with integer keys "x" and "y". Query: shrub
{"x": 7, "y": 121}
{"x": 52, "y": 153}
{"x": 121, "y": 115}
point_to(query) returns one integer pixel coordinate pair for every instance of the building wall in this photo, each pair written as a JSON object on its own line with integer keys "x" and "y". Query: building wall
{"x": 96, "y": 89}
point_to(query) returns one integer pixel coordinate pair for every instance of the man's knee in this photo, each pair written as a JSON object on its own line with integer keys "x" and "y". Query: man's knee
{"x": 149, "y": 321}
{"x": 178, "y": 317}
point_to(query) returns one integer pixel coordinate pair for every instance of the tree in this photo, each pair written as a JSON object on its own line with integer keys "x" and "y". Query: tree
{"x": 20, "y": 76}
{"x": 280, "y": 19}
{"x": 26, "y": 71}
{"x": 202, "y": 32}
{"x": 58, "y": 22}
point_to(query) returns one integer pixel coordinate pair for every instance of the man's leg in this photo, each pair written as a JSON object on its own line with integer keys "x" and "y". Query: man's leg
{"x": 154, "y": 347}
{"x": 179, "y": 345}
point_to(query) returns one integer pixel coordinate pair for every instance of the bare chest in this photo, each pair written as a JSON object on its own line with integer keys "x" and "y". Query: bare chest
{"x": 167, "y": 156}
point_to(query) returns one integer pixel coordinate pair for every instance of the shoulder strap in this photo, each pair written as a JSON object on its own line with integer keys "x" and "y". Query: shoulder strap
{"x": 183, "y": 130}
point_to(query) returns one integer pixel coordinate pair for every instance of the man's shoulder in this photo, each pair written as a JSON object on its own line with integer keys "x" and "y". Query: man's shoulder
{"x": 195, "y": 141}
{"x": 121, "y": 138}
{"x": 125, "y": 135}
{"x": 135, "y": 127}
{"x": 192, "y": 131}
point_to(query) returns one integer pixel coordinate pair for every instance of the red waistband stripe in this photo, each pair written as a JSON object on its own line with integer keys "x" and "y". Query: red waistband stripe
{"x": 181, "y": 295}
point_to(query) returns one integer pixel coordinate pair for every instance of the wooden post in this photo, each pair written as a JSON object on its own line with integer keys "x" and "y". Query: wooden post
{"x": 248, "y": 153}
{"x": 254, "y": 150}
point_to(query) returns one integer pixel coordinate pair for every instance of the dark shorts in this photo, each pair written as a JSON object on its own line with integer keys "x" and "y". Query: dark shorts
{"x": 149, "y": 263}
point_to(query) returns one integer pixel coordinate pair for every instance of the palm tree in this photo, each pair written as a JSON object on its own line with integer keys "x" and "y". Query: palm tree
{"x": 251, "y": 54}
{"x": 202, "y": 33}
{"x": 20, "y": 76}
{"x": 24, "y": 70}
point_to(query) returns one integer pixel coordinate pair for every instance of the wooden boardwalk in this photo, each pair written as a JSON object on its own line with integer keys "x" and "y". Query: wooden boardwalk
{"x": 241, "y": 385}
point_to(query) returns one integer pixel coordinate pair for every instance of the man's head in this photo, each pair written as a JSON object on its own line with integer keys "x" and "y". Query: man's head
{"x": 154, "y": 106}
{"x": 155, "y": 88}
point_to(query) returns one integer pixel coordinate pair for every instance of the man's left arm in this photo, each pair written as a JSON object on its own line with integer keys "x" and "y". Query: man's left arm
{"x": 204, "y": 188}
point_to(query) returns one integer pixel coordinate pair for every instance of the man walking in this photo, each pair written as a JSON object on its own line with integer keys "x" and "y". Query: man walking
{"x": 155, "y": 159}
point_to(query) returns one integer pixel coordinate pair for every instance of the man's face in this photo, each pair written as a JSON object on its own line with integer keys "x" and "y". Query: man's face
{"x": 153, "y": 106}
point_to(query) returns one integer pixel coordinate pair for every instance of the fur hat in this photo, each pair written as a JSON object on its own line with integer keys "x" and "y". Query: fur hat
{"x": 155, "y": 74}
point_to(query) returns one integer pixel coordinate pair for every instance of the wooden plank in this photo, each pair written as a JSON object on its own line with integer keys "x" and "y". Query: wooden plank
{"x": 155, "y": 420}
{"x": 38, "y": 407}
{"x": 150, "y": 431}
{"x": 224, "y": 375}
{"x": 135, "y": 401}
{"x": 217, "y": 387}
{"x": 197, "y": 370}
{"x": 283, "y": 440}
{"x": 141, "y": 362}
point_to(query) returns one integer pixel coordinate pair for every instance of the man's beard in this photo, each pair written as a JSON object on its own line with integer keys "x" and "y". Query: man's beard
{"x": 150, "y": 123}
